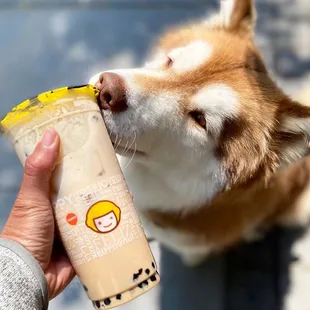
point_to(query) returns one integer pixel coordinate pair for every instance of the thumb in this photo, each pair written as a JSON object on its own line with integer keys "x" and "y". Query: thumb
{"x": 40, "y": 165}
{"x": 31, "y": 220}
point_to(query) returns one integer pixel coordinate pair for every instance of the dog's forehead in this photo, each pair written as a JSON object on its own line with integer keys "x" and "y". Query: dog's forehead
{"x": 191, "y": 56}
{"x": 205, "y": 45}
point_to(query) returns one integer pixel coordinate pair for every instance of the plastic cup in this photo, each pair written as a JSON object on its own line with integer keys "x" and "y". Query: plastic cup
{"x": 94, "y": 211}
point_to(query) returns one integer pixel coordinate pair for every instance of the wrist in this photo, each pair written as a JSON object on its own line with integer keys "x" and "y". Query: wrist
{"x": 26, "y": 259}
{"x": 15, "y": 236}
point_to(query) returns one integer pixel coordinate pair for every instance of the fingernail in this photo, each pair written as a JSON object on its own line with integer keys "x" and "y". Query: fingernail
{"x": 49, "y": 137}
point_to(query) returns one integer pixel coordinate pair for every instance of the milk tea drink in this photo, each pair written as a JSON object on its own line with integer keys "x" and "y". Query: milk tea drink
{"x": 98, "y": 225}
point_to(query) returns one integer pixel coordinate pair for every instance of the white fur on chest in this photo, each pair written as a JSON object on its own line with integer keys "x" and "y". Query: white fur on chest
{"x": 151, "y": 190}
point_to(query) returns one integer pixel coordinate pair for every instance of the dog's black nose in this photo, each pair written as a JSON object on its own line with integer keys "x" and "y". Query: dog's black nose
{"x": 112, "y": 92}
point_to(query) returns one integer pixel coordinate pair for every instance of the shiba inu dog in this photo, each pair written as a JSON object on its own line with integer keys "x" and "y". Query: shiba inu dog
{"x": 212, "y": 149}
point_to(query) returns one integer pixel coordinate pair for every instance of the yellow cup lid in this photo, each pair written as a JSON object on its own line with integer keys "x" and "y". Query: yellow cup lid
{"x": 28, "y": 106}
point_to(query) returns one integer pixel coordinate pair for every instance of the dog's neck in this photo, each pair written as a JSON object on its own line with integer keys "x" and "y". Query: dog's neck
{"x": 176, "y": 188}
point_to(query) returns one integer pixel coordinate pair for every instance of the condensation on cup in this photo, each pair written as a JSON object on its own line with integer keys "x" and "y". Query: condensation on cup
{"x": 94, "y": 212}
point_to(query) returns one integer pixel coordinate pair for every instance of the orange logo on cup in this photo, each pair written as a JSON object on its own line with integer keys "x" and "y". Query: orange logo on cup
{"x": 103, "y": 217}
{"x": 72, "y": 219}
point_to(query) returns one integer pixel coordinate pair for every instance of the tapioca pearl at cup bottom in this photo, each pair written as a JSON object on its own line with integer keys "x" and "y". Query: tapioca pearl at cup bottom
{"x": 137, "y": 275}
{"x": 140, "y": 271}
{"x": 143, "y": 284}
{"x": 107, "y": 301}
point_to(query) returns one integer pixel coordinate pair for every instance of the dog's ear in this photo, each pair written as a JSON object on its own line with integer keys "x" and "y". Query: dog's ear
{"x": 236, "y": 16}
{"x": 293, "y": 130}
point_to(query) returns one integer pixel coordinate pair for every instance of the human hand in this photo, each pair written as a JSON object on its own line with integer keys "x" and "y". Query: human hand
{"x": 31, "y": 222}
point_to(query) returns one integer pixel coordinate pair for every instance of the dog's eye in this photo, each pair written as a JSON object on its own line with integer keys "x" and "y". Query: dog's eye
{"x": 169, "y": 62}
{"x": 199, "y": 118}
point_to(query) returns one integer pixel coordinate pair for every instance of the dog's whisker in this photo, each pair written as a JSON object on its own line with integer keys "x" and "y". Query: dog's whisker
{"x": 135, "y": 149}
{"x": 111, "y": 133}
{"x": 132, "y": 157}
{"x": 118, "y": 143}
{"x": 130, "y": 146}
{"x": 133, "y": 141}
{"x": 115, "y": 139}
{"x": 125, "y": 149}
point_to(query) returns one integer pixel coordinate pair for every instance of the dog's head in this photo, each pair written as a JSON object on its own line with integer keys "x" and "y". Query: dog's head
{"x": 204, "y": 102}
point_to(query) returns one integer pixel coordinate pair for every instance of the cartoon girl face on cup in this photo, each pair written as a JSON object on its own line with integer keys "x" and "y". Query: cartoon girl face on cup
{"x": 103, "y": 217}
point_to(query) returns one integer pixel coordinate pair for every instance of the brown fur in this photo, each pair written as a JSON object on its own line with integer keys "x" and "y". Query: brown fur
{"x": 252, "y": 145}
{"x": 225, "y": 220}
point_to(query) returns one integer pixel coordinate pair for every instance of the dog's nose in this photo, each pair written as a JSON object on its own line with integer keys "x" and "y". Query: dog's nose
{"x": 112, "y": 92}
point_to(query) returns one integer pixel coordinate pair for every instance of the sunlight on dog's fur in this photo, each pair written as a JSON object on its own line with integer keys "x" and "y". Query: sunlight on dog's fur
{"x": 203, "y": 131}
